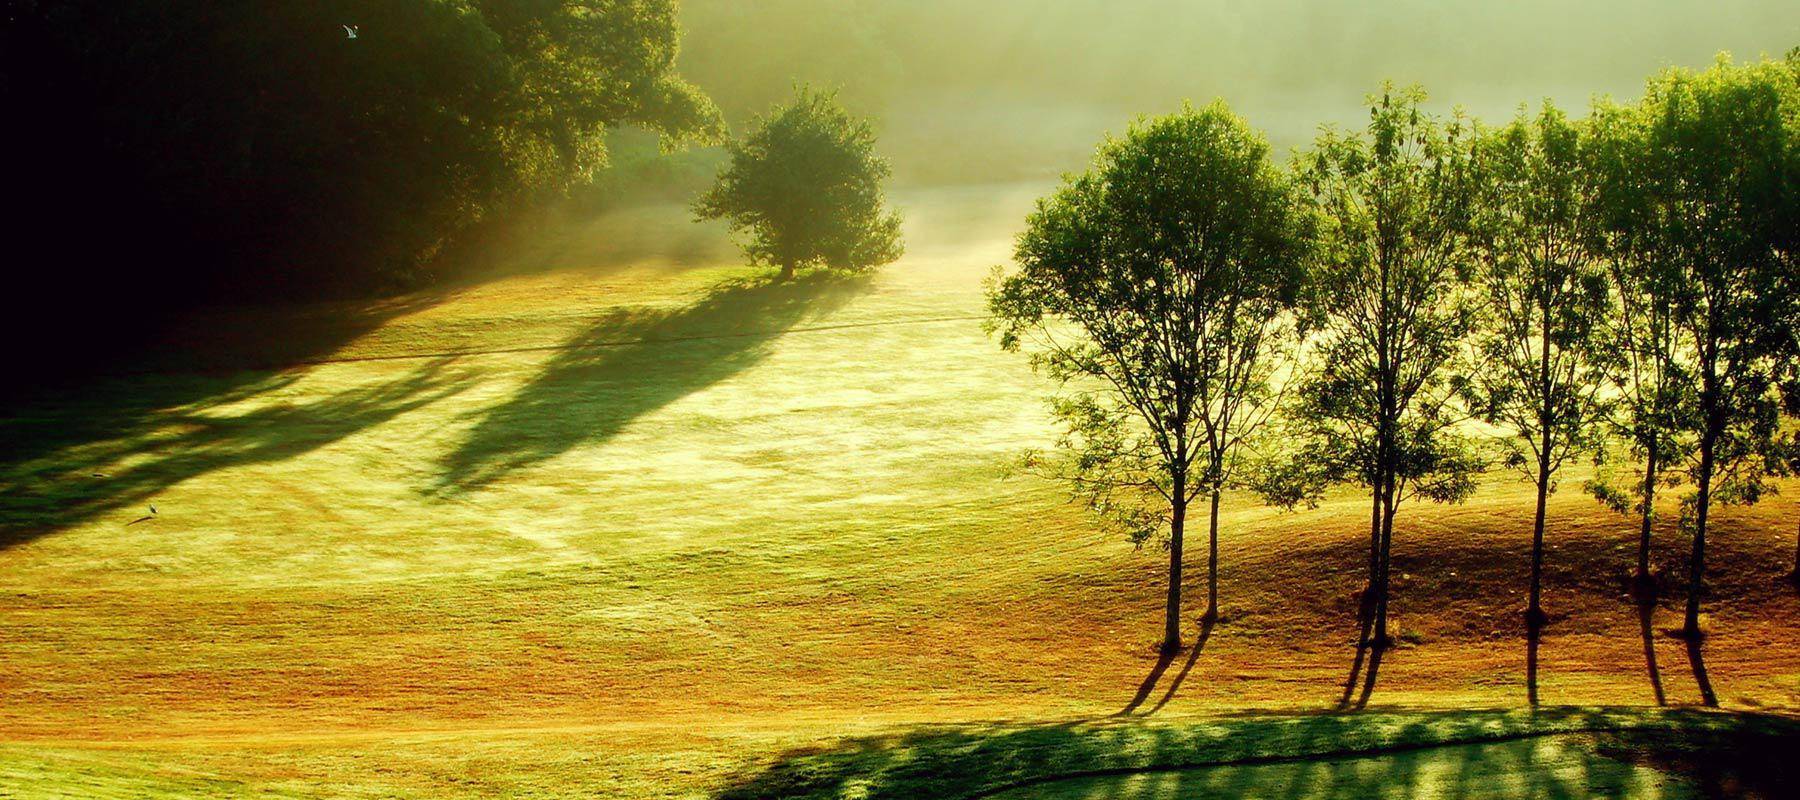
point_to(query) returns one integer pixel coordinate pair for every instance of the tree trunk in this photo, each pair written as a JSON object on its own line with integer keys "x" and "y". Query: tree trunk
{"x": 1534, "y": 609}
{"x": 1383, "y": 591}
{"x": 1380, "y": 642}
{"x": 787, "y": 270}
{"x": 1645, "y": 612}
{"x": 1172, "y": 616}
{"x": 1643, "y": 587}
{"x": 1365, "y": 600}
{"x": 1212, "y": 561}
{"x": 1697, "y": 563}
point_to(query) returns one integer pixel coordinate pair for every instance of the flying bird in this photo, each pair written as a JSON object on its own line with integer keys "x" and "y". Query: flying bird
{"x": 350, "y": 31}
{"x": 146, "y": 517}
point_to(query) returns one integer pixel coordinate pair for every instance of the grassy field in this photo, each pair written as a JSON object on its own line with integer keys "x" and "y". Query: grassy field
{"x": 632, "y": 521}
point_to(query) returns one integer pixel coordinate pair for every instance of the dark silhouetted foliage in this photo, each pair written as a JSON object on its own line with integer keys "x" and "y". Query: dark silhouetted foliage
{"x": 178, "y": 153}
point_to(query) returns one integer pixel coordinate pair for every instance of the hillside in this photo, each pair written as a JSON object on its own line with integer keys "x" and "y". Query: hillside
{"x": 635, "y": 521}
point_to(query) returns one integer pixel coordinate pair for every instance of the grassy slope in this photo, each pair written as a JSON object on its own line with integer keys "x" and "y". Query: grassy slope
{"x": 561, "y": 560}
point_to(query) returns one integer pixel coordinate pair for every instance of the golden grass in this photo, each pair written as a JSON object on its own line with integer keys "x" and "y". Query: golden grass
{"x": 540, "y": 558}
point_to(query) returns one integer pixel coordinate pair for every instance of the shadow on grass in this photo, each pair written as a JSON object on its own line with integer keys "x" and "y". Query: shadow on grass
{"x": 633, "y": 362}
{"x": 1754, "y": 760}
{"x": 988, "y": 760}
{"x": 1162, "y": 665}
{"x": 61, "y": 428}
{"x": 165, "y": 438}
{"x": 1646, "y": 610}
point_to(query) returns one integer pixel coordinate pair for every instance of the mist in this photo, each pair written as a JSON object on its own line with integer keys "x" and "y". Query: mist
{"x": 1015, "y": 89}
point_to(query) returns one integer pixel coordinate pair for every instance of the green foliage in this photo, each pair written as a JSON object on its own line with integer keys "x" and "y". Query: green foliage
{"x": 1393, "y": 309}
{"x": 805, "y": 185}
{"x": 1710, "y": 226}
{"x": 970, "y": 761}
{"x": 1155, "y": 288}
{"x": 1545, "y": 294}
{"x": 1644, "y": 362}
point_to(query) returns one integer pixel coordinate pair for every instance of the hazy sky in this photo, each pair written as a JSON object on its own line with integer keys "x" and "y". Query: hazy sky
{"x": 1028, "y": 86}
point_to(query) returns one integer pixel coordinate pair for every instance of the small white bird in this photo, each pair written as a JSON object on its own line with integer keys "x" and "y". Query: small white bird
{"x": 350, "y": 31}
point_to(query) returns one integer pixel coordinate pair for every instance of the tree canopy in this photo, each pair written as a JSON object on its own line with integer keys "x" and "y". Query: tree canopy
{"x": 805, "y": 187}
{"x": 1712, "y": 217}
{"x": 1378, "y": 402}
{"x": 1156, "y": 287}
{"x": 1544, "y": 304}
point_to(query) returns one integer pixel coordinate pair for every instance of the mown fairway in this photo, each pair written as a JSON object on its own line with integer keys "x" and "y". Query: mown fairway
{"x": 634, "y": 522}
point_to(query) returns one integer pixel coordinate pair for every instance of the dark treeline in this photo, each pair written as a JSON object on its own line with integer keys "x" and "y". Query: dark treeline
{"x": 172, "y": 154}
{"x": 1439, "y": 298}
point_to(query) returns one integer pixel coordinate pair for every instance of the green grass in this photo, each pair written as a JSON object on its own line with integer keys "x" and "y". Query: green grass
{"x": 1364, "y": 755}
{"x": 1537, "y": 767}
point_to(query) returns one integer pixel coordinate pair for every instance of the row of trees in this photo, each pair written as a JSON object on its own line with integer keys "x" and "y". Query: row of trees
{"x": 1621, "y": 288}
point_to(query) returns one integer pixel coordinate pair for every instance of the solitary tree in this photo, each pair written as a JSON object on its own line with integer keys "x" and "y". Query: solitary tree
{"x": 1155, "y": 288}
{"x": 1379, "y": 408}
{"x": 1717, "y": 148}
{"x": 806, "y": 187}
{"x": 1545, "y": 295}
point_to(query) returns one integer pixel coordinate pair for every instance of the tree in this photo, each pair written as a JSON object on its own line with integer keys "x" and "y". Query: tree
{"x": 1645, "y": 361}
{"x": 806, "y": 185}
{"x": 1545, "y": 297}
{"x": 1379, "y": 409}
{"x": 1155, "y": 288}
{"x": 1716, "y": 192}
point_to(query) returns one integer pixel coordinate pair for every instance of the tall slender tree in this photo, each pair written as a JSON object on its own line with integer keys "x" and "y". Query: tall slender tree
{"x": 1644, "y": 361}
{"x": 1716, "y": 147}
{"x": 1379, "y": 408}
{"x": 1156, "y": 289}
{"x": 1545, "y": 295}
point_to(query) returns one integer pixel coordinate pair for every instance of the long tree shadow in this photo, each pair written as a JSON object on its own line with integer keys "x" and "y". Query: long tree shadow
{"x": 1206, "y": 629}
{"x": 633, "y": 362}
{"x": 1163, "y": 659}
{"x": 1697, "y": 660}
{"x": 1365, "y": 618}
{"x": 59, "y": 429}
{"x": 1646, "y": 609}
{"x": 165, "y": 446}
